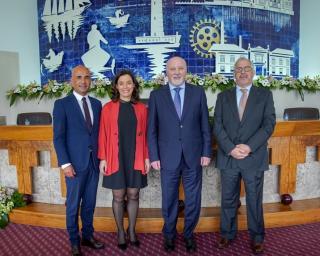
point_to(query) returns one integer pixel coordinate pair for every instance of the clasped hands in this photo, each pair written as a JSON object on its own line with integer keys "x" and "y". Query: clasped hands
{"x": 241, "y": 151}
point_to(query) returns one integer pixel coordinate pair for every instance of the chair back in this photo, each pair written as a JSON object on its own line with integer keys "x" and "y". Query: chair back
{"x": 34, "y": 118}
{"x": 301, "y": 114}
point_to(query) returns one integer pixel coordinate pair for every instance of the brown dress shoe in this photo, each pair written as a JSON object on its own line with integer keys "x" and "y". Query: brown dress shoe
{"x": 257, "y": 248}
{"x": 223, "y": 243}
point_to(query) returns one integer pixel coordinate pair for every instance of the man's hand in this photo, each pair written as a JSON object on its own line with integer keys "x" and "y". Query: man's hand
{"x": 237, "y": 153}
{"x": 245, "y": 149}
{"x": 147, "y": 165}
{"x": 103, "y": 166}
{"x": 69, "y": 171}
{"x": 205, "y": 161}
{"x": 156, "y": 165}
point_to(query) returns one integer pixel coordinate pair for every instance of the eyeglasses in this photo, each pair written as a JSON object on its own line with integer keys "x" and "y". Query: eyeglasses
{"x": 243, "y": 69}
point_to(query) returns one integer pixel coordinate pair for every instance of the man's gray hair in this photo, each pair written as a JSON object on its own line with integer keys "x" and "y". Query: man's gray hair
{"x": 241, "y": 59}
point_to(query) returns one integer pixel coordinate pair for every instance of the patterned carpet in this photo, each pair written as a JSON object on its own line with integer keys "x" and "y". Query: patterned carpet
{"x": 15, "y": 240}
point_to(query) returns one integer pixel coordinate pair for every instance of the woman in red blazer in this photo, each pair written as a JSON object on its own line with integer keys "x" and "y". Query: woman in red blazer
{"x": 123, "y": 152}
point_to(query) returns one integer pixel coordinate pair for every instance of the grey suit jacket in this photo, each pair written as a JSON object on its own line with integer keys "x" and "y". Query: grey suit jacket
{"x": 255, "y": 128}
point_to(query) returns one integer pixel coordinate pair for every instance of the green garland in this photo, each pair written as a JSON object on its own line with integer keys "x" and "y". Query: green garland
{"x": 214, "y": 82}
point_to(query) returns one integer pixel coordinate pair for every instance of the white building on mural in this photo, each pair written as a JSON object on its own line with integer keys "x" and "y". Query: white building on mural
{"x": 276, "y": 63}
{"x": 280, "y": 62}
{"x": 226, "y": 54}
{"x": 259, "y": 58}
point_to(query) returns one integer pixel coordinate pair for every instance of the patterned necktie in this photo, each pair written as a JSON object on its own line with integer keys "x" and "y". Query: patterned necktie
{"x": 177, "y": 101}
{"x": 243, "y": 102}
{"x": 86, "y": 113}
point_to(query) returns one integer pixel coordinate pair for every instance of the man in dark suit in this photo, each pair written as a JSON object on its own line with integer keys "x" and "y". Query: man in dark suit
{"x": 244, "y": 120}
{"x": 75, "y": 127}
{"x": 179, "y": 143}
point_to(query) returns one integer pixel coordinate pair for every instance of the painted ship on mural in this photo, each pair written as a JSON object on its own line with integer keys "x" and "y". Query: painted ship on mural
{"x": 120, "y": 19}
{"x": 61, "y": 16}
{"x": 60, "y": 7}
{"x": 281, "y": 6}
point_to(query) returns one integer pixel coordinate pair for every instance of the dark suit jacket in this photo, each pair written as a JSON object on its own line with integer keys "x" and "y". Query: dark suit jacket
{"x": 169, "y": 137}
{"x": 254, "y": 129}
{"x": 73, "y": 141}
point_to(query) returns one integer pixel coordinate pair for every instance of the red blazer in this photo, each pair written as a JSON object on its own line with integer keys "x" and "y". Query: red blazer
{"x": 109, "y": 138}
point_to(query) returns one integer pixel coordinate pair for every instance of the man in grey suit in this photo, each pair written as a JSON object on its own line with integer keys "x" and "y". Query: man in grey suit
{"x": 244, "y": 120}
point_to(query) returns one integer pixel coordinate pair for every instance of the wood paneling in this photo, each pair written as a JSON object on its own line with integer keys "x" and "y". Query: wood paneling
{"x": 23, "y": 144}
{"x": 287, "y": 148}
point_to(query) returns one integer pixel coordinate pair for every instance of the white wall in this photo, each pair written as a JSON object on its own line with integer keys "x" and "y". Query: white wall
{"x": 309, "y": 38}
{"x": 19, "y": 33}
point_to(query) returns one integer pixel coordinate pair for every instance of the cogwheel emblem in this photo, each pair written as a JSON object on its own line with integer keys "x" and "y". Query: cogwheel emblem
{"x": 202, "y": 35}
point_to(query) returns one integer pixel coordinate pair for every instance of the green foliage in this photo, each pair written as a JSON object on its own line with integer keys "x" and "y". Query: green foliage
{"x": 9, "y": 199}
{"x": 213, "y": 82}
{"x": 17, "y": 199}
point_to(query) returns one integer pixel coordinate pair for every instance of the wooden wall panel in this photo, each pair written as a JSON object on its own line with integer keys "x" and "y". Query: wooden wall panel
{"x": 287, "y": 148}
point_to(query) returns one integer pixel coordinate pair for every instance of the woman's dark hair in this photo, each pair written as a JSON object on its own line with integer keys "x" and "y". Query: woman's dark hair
{"x": 115, "y": 93}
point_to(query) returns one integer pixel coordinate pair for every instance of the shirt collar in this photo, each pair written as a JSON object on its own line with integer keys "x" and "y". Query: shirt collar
{"x": 172, "y": 87}
{"x": 248, "y": 87}
{"x": 79, "y": 97}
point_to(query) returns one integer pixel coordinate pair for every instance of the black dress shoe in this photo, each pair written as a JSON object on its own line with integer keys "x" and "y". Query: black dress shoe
{"x": 123, "y": 246}
{"x": 257, "y": 248}
{"x": 93, "y": 243}
{"x": 223, "y": 243}
{"x": 75, "y": 250}
{"x": 191, "y": 245}
{"x": 168, "y": 245}
{"x": 136, "y": 242}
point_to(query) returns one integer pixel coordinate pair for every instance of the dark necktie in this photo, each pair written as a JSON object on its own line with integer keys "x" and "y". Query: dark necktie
{"x": 86, "y": 113}
{"x": 177, "y": 101}
{"x": 243, "y": 102}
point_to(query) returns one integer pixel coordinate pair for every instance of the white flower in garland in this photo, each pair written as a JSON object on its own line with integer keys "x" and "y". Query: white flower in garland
{"x": 201, "y": 82}
{"x": 17, "y": 90}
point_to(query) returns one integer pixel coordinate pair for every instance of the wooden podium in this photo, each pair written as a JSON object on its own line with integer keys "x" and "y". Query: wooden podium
{"x": 287, "y": 148}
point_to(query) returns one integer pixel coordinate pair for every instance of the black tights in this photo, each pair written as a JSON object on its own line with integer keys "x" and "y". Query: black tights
{"x": 132, "y": 209}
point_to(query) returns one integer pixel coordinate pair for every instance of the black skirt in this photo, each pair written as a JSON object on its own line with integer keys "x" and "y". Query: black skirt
{"x": 126, "y": 177}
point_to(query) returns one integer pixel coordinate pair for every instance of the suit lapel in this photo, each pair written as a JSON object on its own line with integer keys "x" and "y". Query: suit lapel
{"x": 94, "y": 111}
{"x": 186, "y": 102}
{"x": 232, "y": 98}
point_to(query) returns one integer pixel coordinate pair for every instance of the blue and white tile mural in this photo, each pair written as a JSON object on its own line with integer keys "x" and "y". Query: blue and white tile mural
{"x": 107, "y": 36}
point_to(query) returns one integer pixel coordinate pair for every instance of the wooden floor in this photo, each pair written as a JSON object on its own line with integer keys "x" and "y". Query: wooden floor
{"x": 150, "y": 220}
